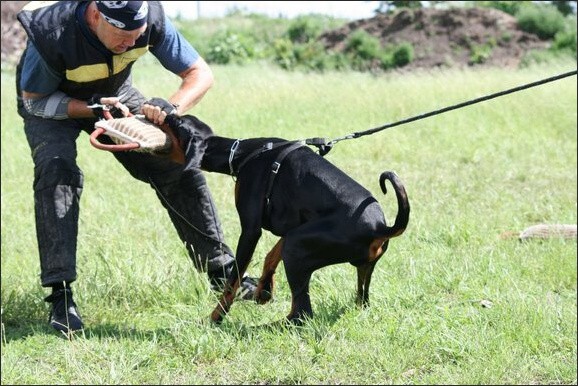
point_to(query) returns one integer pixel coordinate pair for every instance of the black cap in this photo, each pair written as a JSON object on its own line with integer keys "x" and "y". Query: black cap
{"x": 126, "y": 15}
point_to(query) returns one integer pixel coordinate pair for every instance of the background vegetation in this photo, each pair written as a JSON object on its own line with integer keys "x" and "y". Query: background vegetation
{"x": 293, "y": 43}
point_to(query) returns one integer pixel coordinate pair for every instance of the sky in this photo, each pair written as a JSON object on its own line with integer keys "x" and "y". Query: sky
{"x": 340, "y": 9}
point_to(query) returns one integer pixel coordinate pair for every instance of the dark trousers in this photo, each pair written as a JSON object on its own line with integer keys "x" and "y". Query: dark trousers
{"x": 58, "y": 184}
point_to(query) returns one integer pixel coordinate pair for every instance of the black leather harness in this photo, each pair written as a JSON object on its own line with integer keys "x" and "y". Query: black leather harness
{"x": 276, "y": 165}
{"x": 289, "y": 146}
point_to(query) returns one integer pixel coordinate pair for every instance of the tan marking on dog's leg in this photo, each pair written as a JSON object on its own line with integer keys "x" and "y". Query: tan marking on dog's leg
{"x": 266, "y": 281}
{"x": 225, "y": 302}
{"x": 376, "y": 249}
{"x": 364, "y": 271}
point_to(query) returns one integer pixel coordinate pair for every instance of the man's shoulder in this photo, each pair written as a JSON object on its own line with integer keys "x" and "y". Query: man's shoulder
{"x": 44, "y": 7}
{"x": 34, "y": 5}
{"x": 47, "y": 14}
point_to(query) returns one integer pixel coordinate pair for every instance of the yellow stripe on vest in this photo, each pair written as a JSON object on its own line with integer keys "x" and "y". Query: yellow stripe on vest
{"x": 90, "y": 73}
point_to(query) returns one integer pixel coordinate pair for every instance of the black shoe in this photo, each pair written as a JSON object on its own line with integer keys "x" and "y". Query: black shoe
{"x": 246, "y": 290}
{"x": 64, "y": 315}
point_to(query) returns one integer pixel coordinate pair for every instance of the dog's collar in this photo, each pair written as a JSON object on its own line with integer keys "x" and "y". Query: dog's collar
{"x": 234, "y": 147}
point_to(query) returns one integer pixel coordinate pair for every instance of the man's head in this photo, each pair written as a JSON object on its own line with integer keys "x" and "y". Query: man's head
{"x": 118, "y": 24}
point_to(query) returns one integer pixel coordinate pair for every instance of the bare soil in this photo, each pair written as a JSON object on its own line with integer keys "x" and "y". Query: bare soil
{"x": 446, "y": 38}
{"x": 440, "y": 38}
{"x": 13, "y": 36}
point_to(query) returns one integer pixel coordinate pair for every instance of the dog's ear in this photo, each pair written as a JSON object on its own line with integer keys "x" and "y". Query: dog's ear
{"x": 201, "y": 127}
{"x": 187, "y": 126}
{"x": 192, "y": 134}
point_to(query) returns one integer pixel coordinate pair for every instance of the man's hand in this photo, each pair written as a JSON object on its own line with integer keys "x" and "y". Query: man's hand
{"x": 176, "y": 153}
{"x": 101, "y": 105}
{"x": 157, "y": 109}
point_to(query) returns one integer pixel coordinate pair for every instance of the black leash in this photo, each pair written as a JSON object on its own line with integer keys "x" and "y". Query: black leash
{"x": 324, "y": 146}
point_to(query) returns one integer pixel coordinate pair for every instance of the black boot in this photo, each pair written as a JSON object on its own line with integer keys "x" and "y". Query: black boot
{"x": 246, "y": 290}
{"x": 64, "y": 315}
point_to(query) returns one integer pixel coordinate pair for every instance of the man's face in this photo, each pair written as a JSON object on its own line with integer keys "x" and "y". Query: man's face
{"x": 115, "y": 39}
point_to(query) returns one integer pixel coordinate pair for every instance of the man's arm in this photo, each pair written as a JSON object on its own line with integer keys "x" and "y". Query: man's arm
{"x": 40, "y": 94}
{"x": 197, "y": 80}
{"x": 49, "y": 106}
{"x": 177, "y": 55}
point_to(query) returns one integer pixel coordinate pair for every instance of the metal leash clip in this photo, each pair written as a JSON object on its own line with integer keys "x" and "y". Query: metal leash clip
{"x": 321, "y": 143}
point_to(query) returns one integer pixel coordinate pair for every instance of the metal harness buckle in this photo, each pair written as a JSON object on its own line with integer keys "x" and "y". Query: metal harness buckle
{"x": 275, "y": 167}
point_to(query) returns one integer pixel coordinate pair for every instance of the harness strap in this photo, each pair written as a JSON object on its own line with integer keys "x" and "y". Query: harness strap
{"x": 289, "y": 146}
{"x": 266, "y": 147}
{"x": 275, "y": 169}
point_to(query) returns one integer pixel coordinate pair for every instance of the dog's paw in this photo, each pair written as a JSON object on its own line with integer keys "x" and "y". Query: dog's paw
{"x": 263, "y": 296}
{"x": 217, "y": 316}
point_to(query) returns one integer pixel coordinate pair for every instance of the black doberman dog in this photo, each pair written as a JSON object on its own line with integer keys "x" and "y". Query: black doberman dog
{"x": 322, "y": 215}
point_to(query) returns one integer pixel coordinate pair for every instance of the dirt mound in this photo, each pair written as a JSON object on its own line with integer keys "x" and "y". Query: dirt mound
{"x": 13, "y": 35}
{"x": 453, "y": 37}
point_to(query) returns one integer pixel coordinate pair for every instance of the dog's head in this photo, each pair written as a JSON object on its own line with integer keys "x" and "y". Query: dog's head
{"x": 191, "y": 134}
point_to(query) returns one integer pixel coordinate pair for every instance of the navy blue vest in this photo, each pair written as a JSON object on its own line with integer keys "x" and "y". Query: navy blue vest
{"x": 69, "y": 47}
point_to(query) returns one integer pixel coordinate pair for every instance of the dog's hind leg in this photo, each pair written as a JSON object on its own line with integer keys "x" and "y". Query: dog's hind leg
{"x": 364, "y": 273}
{"x": 300, "y": 299}
{"x": 298, "y": 277}
{"x": 306, "y": 249}
{"x": 264, "y": 291}
{"x": 365, "y": 270}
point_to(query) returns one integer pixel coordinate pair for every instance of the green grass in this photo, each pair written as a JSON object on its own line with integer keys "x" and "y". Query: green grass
{"x": 471, "y": 174}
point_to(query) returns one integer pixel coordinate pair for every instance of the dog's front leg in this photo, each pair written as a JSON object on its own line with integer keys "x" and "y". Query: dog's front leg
{"x": 245, "y": 249}
{"x": 264, "y": 291}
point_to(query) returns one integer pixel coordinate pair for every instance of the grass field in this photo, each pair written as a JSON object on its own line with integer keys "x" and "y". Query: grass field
{"x": 451, "y": 301}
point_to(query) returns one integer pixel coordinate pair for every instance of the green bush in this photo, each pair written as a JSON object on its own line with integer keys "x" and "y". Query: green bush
{"x": 480, "y": 53}
{"x": 403, "y": 54}
{"x": 305, "y": 29}
{"x": 566, "y": 40}
{"x": 509, "y": 7}
{"x": 396, "y": 56}
{"x": 310, "y": 56}
{"x": 362, "y": 52}
{"x": 363, "y": 45}
{"x": 545, "y": 21}
{"x": 284, "y": 54}
{"x": 228, "y": 48}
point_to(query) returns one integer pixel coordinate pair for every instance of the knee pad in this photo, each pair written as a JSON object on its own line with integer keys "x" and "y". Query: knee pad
{"x": 57, "y": 171}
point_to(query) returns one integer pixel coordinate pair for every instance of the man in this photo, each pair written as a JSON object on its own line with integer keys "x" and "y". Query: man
{"x": 78, "y": 59}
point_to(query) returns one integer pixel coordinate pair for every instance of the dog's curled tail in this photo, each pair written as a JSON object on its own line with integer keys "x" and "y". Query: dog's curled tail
{"x": 402, "y": 218}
